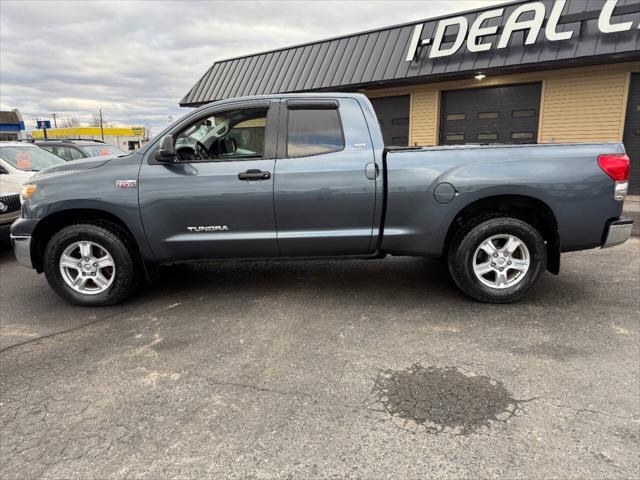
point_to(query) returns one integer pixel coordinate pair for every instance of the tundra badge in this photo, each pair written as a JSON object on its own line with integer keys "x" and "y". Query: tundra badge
{"x": 210, "y": 228}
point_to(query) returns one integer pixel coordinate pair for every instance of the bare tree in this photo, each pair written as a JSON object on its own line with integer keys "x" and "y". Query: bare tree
{"x": 95, "y": 121}
{"x": 69, "y": 122}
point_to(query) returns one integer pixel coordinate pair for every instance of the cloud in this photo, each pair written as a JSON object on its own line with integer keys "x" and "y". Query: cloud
{"x": 136, "y": 60}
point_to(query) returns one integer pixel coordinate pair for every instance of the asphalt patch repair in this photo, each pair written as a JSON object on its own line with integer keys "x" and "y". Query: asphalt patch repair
{"x": 444, "y": 400}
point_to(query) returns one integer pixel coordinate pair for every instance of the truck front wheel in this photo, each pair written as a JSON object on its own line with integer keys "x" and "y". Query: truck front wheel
{"x": 91, "y": 264}
{"x": 497, "y": 260}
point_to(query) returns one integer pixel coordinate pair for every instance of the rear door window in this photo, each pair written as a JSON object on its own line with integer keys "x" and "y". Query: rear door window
{"x": 314, "y": 131}
{"x": 75, "y": 153}
{"x": 102, "y": 150}
{"x": 68, "y": 153}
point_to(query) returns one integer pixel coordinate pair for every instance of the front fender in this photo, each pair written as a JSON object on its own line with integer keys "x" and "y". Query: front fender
{"x": 92, "y": 191}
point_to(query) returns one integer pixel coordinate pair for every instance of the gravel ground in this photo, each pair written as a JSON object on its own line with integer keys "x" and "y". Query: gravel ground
{"x": 315, "y": 369}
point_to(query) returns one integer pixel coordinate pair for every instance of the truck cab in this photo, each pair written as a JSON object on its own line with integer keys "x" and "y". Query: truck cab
{"x": 305, "y": 164}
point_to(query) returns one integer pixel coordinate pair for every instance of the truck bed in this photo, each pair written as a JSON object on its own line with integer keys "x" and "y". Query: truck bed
{"x": 565, "y": 177}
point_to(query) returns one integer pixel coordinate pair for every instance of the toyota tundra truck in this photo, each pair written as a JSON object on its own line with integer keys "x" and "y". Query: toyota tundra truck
{"x": 308, "y": 175}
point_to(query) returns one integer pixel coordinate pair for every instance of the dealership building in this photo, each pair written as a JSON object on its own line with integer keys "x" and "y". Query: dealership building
{"x": 522, "y": 72}
{"x": 11, "y": 125}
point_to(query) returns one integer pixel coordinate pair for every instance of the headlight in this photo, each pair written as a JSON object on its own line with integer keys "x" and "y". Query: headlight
{"x": 27, "y": 191}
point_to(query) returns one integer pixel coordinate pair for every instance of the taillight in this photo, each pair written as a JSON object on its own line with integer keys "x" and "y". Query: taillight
{"x": 616, "y": 165}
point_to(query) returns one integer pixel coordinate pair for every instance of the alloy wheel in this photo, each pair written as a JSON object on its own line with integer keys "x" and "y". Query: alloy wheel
{"x": 87, "y": 267}
{"x": 501, "y": 261}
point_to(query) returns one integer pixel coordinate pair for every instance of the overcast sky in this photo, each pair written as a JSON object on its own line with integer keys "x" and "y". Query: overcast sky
{"x": 137, "y": 59}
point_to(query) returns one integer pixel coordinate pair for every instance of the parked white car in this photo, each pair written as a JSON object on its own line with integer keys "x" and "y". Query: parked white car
{"x": 18, "y": 162}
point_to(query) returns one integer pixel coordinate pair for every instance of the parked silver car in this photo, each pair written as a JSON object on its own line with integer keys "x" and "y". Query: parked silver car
{"x": 77, "y": 149}
{"x": 18, "y": 162}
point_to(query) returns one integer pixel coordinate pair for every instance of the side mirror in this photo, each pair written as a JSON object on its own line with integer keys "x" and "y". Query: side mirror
{"x": 3, "y": 171}
{"x": 167, "y": 151}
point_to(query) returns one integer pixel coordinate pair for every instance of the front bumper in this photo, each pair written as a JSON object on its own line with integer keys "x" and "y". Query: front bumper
{"x": 4, "y": 232}
{"x": 22, "y": 249}
{"x": 6, "y": 219}
{"x": 618, "y": 232}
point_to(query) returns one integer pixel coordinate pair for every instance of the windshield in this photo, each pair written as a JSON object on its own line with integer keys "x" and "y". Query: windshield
{"x": 102, "y": 150}
{"x": 29, "y": 158}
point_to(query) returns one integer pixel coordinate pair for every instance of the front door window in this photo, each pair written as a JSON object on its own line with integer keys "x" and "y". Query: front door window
{"x": 232, "y": 135}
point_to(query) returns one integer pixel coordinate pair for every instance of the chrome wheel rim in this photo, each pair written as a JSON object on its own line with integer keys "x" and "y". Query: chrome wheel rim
{"x": 501, "y": 261}
{"x": 87, "y": 267}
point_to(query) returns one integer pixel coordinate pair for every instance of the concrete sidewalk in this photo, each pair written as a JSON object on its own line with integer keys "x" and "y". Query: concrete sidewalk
{"x": 632, "y": 209}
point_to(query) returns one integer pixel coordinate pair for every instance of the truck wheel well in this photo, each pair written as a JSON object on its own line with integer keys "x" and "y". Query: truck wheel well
{"x": 53, "y": 223}
{"x": 528, "y": 209}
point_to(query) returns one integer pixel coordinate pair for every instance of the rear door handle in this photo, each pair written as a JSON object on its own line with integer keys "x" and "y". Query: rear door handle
{"x": 254, "y": 174}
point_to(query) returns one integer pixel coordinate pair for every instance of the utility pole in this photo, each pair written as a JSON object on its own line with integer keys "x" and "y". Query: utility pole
{"x": 55, "y": 124}
{"x": 101, "y": 127}
{"x": 44, "y": 127}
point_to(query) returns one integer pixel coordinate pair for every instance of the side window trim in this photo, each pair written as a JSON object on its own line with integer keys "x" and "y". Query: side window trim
{"x": 312, "y": 104}
{"x": 306, "y": 104}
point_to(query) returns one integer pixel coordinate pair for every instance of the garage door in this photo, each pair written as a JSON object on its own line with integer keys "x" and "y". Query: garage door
{"x": 506, "y": 114}
{"x": 632, "y": 133}
{"x": 393, "y": 116}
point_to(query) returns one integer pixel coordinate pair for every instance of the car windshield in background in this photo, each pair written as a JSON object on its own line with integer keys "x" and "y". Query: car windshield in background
{"x": 29, "y": 158}
{"x": 102, "y": 150}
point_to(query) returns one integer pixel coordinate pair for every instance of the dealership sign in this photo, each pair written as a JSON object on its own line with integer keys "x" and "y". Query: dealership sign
{"x": 473, "y": 34}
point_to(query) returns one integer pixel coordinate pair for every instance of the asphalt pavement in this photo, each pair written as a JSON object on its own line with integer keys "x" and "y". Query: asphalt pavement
{"x": 325, "y": 369}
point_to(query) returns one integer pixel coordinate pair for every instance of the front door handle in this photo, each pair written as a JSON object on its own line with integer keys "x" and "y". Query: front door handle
{"x": 254, "y": 174}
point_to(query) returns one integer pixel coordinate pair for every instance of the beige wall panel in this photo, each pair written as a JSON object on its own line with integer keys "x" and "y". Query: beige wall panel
{"x": 588, "y": 108}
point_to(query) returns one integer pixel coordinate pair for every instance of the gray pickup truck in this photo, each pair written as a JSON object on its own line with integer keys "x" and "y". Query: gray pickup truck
{"x": 308, "y": 175}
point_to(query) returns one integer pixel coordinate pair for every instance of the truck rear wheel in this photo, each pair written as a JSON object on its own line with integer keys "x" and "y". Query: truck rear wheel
{"x": 91, "y": 264}
{"x": 497, "y": 260}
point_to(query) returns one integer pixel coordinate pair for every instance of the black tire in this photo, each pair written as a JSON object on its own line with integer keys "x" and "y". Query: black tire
{"x": 116, "y": 241}
{"x": 468, "y": 239}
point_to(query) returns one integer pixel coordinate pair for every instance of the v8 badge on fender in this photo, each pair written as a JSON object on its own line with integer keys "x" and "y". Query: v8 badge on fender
{"x": 126, "y": 183}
